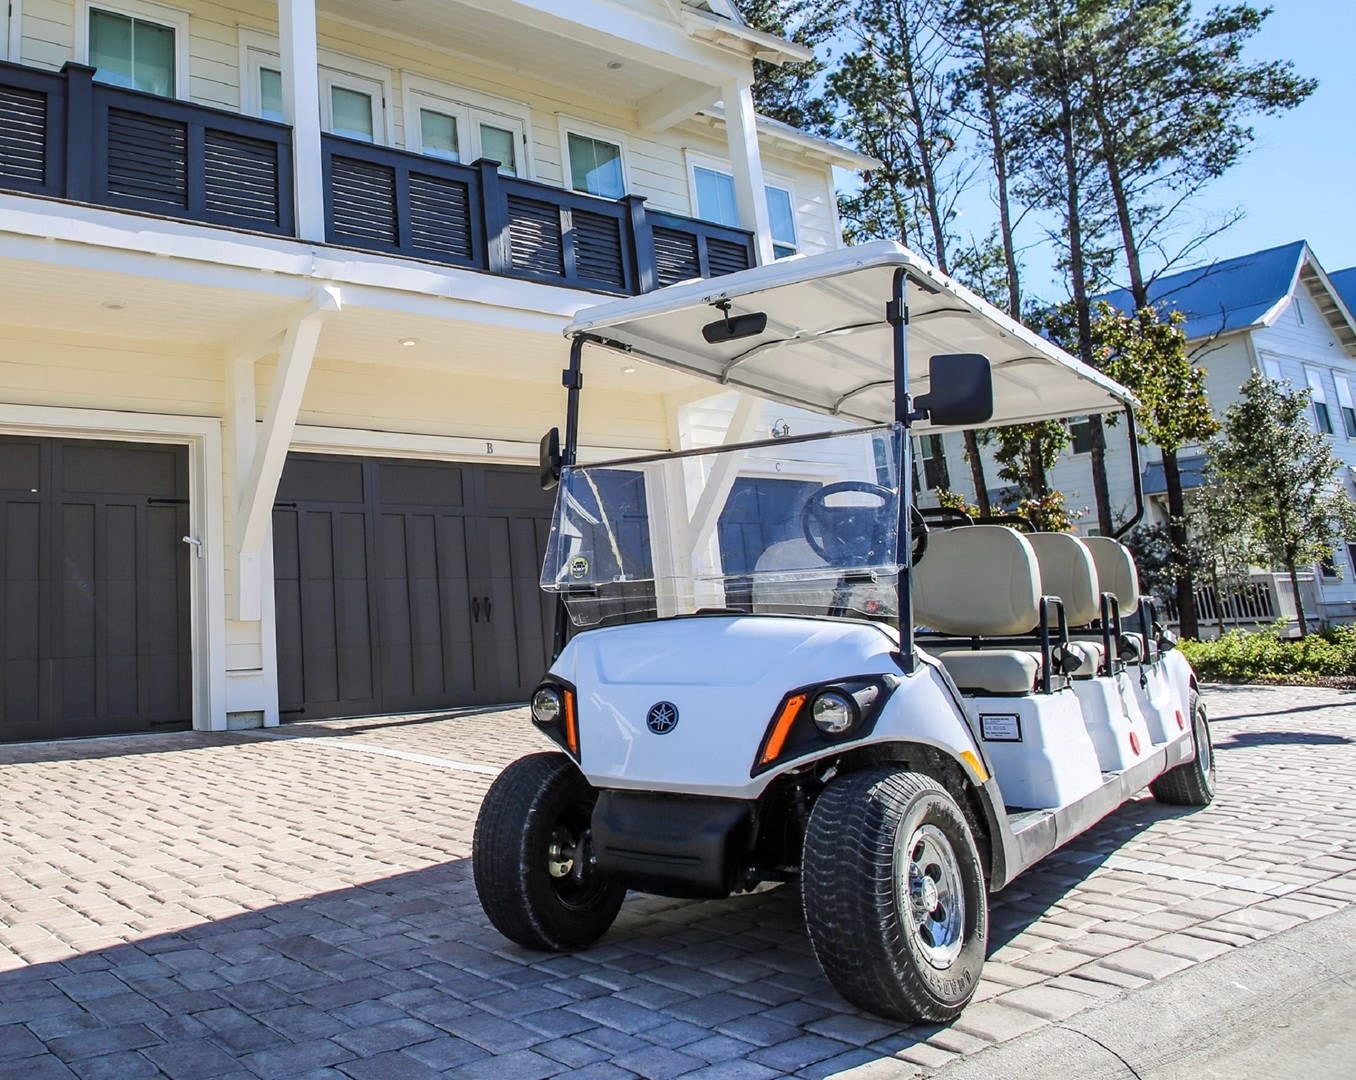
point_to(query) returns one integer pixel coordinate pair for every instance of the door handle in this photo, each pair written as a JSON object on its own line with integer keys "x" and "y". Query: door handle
{"x": 487, "y": 609}
{"x": 475, "y": 608}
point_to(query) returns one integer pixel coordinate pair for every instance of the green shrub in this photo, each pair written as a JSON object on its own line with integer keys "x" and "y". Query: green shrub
{"x": 1241, "y": 654}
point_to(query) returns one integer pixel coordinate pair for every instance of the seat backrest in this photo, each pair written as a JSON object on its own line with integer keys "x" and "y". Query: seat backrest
{"x": 789, "y": 578}
{"x": 1068, "y": 571}
{"x": 1115, "y": 571}
{"x": 977, "y": 580}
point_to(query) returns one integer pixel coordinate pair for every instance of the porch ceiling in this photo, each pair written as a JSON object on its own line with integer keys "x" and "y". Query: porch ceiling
{"x": 632, "y": 57}
{"x": 119, "y": 309}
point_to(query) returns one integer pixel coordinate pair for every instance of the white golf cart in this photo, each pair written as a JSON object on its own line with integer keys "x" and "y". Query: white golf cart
{"x": 771, "y": 667}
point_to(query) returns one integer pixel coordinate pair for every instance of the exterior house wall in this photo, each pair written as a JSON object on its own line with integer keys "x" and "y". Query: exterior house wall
{"x": 656, "y": 164}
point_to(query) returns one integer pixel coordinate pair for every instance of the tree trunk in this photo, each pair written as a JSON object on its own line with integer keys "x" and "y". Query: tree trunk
{"x": 1299, "y": 602}
{"x": 1181, "y": 564}
{"x": 977, "y": 472}
{"x": 1106, "y": 524}
{"x": 1219, "y": 604}
{"x": 1078, "y": 264}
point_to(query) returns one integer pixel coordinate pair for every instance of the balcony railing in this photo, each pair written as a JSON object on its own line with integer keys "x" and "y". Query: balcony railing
{"x": 68, "y": 137}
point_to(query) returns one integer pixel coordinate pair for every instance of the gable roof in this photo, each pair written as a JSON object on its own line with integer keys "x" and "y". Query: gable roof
{"x": 1344, "y": 281}
{"x": 1247, "y": 293}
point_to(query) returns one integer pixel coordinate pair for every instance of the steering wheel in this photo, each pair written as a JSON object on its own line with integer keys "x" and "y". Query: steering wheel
{"x": 830, "y": 531}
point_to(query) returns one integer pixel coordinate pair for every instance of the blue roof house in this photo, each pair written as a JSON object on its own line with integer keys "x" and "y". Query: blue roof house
{"x": 1276, "y": 311}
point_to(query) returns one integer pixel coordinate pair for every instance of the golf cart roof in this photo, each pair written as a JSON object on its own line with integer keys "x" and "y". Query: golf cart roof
{"x": 827, "y": 346}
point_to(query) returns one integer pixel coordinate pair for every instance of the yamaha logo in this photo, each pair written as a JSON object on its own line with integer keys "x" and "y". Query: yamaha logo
{"x": 662, "y": 717}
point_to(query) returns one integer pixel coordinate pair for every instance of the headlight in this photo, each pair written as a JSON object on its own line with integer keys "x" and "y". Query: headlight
{"x": 834, "y": 713}
{"x": 547, "y": 705}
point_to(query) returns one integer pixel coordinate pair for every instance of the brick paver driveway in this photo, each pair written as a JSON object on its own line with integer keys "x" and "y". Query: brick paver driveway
{"x": 300, "y": 903}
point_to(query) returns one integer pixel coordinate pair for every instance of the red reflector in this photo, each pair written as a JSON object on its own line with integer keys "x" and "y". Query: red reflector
{"x": 1181, "y": 724}
{"x": 1134, "y": 743}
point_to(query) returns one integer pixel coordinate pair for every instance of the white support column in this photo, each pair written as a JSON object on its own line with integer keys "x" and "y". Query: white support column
{"x": 260, "y": 469}
{"x": 746, "y": 166}
{"x": 301, "y": 108}
{"x": 724, "y": 472}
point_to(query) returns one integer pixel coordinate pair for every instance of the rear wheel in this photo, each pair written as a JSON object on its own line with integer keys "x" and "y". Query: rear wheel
{"x": 1193, "y": 782}
{"x": 533, "y": 857}
{"x": 895, "y": 900}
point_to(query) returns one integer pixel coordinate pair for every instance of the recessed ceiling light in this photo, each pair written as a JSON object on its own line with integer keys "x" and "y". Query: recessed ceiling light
{"x": 614, "y": 65}
{"x": 628, "y": 371}
{"x": 113, "y": 305}
{"x": 409, "y": 341}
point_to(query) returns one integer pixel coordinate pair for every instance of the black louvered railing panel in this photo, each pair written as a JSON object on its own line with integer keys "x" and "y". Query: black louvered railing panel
{"x": 363, "y": 196}
{"x": 240, "y": 178}
{"x": 440, "y": 217}
{"x": 148, "y": 160}
{"x": 675, "y": 256}
{"x": 536, "y": 244}
{"x": 23, "y": 137}
{"x": 726, "y": 257}
{"x": 598, "y": 248}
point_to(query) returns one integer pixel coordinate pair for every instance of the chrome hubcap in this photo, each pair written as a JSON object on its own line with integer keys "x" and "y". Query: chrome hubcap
{"x": 932, "y": 895}
{"x": 560, "y": 852}
{"x": 1204, "y": 751}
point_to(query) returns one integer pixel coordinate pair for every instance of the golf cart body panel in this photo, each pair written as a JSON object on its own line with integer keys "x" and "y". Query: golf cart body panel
{"x": 741, "y": 683}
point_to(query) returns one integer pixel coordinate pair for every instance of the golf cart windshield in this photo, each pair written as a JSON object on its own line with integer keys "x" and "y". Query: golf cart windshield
{"x": 796, "y": 526}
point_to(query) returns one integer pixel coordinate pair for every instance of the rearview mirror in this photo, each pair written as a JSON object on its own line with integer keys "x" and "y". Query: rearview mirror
{"x": 549, "y": 467}
{"x": 961, "y": 393}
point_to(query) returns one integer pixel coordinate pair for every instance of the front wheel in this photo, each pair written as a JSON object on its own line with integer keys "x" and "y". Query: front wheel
{"x": 533, "y": 857}
{"x": 1193, "y": 782}
{"x": 895, "y": 900}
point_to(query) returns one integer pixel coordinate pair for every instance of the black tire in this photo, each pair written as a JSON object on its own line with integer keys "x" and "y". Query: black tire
{"x": 1191, "y": 783}
{"x": 533, "y": 857}
{"x": 880, "y": 950}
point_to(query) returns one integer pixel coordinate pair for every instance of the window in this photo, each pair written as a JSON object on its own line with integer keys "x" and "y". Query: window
{"x": 595, "y": 166}
{"x": 133, "y": 52}
{"x": 1320, "y": 399}
{"x": 1347, "y": 408}
{"x": 1080, "y": 435}
{"x": 1351, "y": 554}
{"x": 783, "y": 219}
{"x": 1271, "y": 368}
{"x": 270, "y": 93}
{"x": 454, "y": 126}
{"x": 1327, "y": 567}
{"x": 933, "y": 455}
{"x": 716, "y": 202}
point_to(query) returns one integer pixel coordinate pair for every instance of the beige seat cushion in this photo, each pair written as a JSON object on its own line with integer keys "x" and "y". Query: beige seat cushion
{"x": 992, "y": 671}
{"x": 790, "y": 579}
{"x": 1115, "y": 571}
{"x": 1068, "y": 571}
{"x": 977, "y": 581}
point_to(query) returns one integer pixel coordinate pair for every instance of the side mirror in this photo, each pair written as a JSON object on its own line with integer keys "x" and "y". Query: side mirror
{"x": 548, "y": 469}
{"x": 961, "y": 393}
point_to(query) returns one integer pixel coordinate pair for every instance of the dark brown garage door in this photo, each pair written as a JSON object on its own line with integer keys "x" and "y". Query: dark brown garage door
{"x": 407, "y": 585}
{"x": 94, "y": 588}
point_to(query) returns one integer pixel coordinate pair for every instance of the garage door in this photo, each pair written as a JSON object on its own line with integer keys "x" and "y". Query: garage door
{"x": 407, "y": 585}
{"x": 94, "y": 588}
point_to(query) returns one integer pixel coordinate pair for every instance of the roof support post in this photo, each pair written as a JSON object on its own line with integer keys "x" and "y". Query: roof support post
{"x": 301, "y": 108}
{"x": 724, "y": 472}
{"x": 897, "y": 313}
{"x": 746, "y": 166}
{"x": 261, "y": 454}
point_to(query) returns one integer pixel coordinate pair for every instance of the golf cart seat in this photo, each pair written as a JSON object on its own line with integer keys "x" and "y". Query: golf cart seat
{"x": 981, "y": 581}
{"x": 1069, "y": 572}
{"x": 785, "y": 580}
{"x": 1117, "y": 575}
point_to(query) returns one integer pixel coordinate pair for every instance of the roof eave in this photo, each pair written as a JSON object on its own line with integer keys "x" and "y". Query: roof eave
{"x": 825, "y": 150}
{"x": 750, "y": 43}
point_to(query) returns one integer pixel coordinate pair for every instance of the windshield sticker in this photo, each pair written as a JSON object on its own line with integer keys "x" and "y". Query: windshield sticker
{"x": 579, "y": 568}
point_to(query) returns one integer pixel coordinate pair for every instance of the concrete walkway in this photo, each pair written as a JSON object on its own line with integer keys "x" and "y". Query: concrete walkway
{"x": 299, "y": 902}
